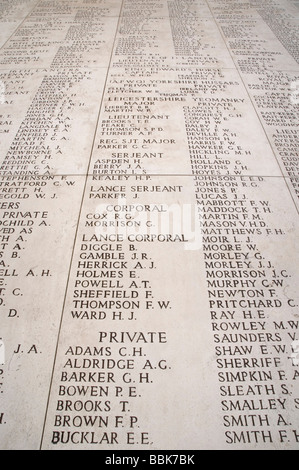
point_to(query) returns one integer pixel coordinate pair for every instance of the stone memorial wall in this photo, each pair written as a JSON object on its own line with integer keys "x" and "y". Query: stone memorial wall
{"x": 149, "y": 183}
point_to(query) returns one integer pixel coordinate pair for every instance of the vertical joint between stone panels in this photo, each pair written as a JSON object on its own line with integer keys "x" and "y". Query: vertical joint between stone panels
{"x": 254, "y": 107}
{"x": 76, "y": 232}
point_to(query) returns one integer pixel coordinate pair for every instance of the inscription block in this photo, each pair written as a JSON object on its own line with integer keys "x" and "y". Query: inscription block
{"x": 149, "y": 225}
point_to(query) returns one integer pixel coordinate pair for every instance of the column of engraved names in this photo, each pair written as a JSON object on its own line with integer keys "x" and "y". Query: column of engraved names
{"x": 114, "y": 294}
{"x": 26, "y": 225}
{"x": 41, "y": 111}
{"x": 114, "y": 342}
{"x": 247, "y": 296}
{"x": 140, "y": 132}
{"x": 12, "y": 14}
{"x": 46, "y": 136}
{"x": 133, "y": 134}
